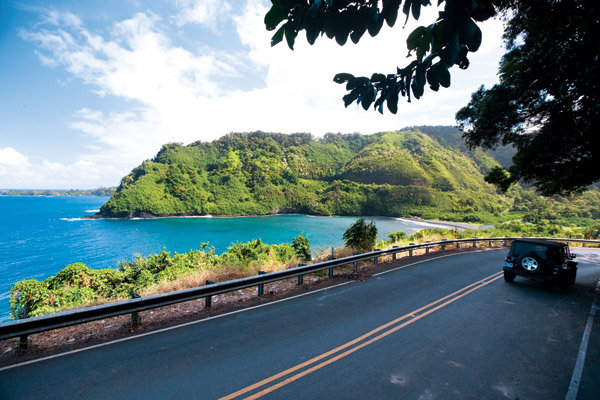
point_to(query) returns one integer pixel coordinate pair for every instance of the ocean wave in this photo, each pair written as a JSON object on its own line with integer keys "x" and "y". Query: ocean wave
{"x": 71, "y": 219}
{"x": 92, "y": 211}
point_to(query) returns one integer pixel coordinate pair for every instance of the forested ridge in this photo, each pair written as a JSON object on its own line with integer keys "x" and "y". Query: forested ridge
{"x": 402, "y": 173}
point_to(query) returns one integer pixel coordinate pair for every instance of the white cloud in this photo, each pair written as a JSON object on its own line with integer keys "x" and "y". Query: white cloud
{"x": 184, "y": 95}
{"x": 12, "y": 158}
{"x": 203, "y": 12}
{"x": 18, "y": 172}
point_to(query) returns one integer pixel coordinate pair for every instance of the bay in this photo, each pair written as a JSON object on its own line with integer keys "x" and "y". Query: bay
{"x": 39, "y": 236}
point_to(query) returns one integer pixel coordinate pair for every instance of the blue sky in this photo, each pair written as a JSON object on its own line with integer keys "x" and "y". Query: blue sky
{"x": 92, "y": 88}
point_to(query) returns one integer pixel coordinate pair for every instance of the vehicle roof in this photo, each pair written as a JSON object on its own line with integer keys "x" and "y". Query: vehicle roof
{"x": 549, "y": 243}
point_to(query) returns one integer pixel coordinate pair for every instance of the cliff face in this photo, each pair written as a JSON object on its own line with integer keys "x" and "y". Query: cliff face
{"x": 392, "y": 173}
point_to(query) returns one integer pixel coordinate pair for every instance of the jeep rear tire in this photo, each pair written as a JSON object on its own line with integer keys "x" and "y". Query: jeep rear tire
{"x": 509, "y": 276}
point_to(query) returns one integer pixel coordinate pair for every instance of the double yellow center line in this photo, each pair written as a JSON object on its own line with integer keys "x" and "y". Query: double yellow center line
{"x": 292, "y": 374}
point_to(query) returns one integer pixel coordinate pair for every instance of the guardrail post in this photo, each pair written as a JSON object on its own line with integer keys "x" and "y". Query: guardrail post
{"x": 331, "y": 269}
{"x": 410, "y": 251}
{"x": 458, "y": 245}
{"x": 427, "y": 248}
{"x": 208, "y": 299}
{"x": 583, "y": 244}
{"x": 261, "y": 286}
{"x": 394, "y": 254}
{"x": 355, "y": 262}
{"x": 375, "y": 258}
{"x": 22, "y": 345}
{"x": 505, "y": 241}
{"x": 135, "y": 316}
{"x": 474, "y": 243}
{"x": 443, "y": 247}
{"x": 301, "y": 277}
{"x": 490, "y": 243}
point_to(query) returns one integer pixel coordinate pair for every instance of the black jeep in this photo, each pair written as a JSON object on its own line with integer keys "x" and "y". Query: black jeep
{"x": 540, "y": 260}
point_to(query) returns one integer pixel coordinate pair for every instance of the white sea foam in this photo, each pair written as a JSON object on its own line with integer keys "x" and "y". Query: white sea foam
{"x": 422, "y": 223}
{"x": 92, "y": 211}
{"x": 71, "y": 219}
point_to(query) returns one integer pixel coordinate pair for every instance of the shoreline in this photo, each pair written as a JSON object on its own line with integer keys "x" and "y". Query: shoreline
{"x": 448, "y": 224}
{"x": 149, "y": 216}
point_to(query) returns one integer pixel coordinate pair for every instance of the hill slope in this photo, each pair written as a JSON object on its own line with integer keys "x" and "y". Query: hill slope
{"x": 392, "y": 173}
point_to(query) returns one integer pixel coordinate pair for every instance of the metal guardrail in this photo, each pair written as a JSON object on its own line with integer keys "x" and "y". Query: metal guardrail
{"x": 24, "y": 327}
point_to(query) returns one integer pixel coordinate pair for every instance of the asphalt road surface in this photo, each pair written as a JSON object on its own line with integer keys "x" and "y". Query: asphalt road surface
{"x": 445, "y": 328}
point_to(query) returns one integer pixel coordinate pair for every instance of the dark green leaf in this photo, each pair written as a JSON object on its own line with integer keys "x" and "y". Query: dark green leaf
{"x": 390, "y": 11}
{"x": 368, "y": 97}
{"x": 413, "y": 40}
{"x": 417, "y": 89}
{"x": 416, "y": 9}
{"x": 342, "y": 77}
{"x": 433, "y": 78}
{"x": 444, "y": 77}
{"x": 392, "y": 100}
{"x": 312, "y": 31}
{"x": 278, "y": 36}
{"x": 360, "y": 21}
{"x": 290, "y": 37}
{"x": 375, "y": 24}
{"x": 406, "y": 9}
{"x": 377, "y": 77}
{"x": 329, "y": 26}
{"x": 450, "y": 53}
{"x": 274, "y": 16}
{"x": 472, "y": 35}
{"x": 350, "y": 97}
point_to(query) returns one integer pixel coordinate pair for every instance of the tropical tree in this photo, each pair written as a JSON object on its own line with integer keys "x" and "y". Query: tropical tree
{"x": 301, "y": 247}
{"x": 547, "y": 102}
{"x": 361, "y": 236}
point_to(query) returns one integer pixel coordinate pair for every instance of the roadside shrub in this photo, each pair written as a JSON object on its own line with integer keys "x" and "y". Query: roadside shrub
{"x": 109, "y": 283}
{"x": 283, "y": 253}
{"x": 301, "y": 247}
{"x": 397, "y": 236}
{"x": 25, "y": 297}
{"x": 77, "y": 274}
{"x": 361, "y": 236}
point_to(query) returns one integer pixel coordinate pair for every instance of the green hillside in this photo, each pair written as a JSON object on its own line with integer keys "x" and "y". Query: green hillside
{"x": 390, "y": 174}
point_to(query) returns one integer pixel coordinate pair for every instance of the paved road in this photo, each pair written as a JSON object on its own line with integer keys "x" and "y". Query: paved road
{"x": 446, "y": 328}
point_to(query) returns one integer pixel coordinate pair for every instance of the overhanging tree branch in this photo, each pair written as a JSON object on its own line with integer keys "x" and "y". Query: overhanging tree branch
{"x": 436, "y": 47}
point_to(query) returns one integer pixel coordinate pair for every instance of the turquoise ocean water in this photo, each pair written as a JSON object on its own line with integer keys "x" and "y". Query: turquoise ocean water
{"x": 41, "y": 235}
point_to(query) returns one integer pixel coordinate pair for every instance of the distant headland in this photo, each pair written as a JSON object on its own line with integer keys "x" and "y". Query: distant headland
{"x": 101, "y": 191}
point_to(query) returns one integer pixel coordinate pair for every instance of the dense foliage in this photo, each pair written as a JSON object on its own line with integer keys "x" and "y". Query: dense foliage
{"x": 399, "y": 173}
{"x": 77, "y": 284}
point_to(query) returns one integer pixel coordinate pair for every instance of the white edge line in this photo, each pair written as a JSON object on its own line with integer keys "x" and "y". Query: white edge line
{"x": 212, "y": 317}
{"x": 578, "y": 369}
